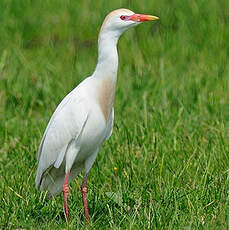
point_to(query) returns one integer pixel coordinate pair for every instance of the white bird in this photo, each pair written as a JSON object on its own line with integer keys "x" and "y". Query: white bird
{"x": 84, "y": 118}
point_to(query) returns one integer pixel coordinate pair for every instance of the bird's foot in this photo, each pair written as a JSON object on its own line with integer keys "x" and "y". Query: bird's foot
{"x": 65, "y": 190}
{"x": 65, "y": 194}
{"x": 85, "y": 203}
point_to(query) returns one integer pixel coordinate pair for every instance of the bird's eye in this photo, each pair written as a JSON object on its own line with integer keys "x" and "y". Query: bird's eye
{"x": 123, "y": 17}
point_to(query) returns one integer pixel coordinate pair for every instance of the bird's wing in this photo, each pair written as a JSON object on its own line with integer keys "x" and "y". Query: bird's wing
{"x": 65, "y": 125}
{"x": 110, "y": 124}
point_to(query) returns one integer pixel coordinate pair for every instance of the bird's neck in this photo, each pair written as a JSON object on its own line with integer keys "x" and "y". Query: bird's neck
{"x": 107, "y": 65}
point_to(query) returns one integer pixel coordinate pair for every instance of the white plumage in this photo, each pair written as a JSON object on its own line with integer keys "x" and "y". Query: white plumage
{"x": 73, "y": 135}
{"x": 84, "y": 118}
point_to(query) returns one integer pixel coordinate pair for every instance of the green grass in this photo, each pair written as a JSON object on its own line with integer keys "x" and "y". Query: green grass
{"x": 170, "y": 142}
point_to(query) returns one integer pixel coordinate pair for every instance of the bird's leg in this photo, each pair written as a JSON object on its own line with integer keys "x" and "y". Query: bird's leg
{"x": 65, "y": 190}
{"x": 84, "y": 197}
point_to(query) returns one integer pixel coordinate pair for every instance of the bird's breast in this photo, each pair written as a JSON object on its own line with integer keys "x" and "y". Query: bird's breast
{"x": 105, "y": 95}
{"x": 93, "y": 134}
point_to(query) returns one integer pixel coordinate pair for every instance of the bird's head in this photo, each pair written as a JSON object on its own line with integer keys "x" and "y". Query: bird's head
{"x": 121, "y": 20}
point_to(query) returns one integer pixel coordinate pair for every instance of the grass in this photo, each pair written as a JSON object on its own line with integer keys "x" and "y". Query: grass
{"x": 170, "y": 142}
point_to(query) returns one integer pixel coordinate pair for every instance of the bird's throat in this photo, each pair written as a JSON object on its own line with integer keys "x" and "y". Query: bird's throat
{"x": 107, "y": 56}
{"x": 106, "y": 72}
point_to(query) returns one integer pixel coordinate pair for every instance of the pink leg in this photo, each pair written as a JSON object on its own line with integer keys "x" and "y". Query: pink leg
{"x": 65, "y": 190}
{"x": 84, "y": 197}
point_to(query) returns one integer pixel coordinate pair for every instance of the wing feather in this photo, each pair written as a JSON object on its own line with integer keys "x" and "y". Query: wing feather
{"x": 65, "y": 125}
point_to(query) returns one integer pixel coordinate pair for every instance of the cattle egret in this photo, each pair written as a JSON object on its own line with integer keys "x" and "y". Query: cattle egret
{"x": 84, "y": 118}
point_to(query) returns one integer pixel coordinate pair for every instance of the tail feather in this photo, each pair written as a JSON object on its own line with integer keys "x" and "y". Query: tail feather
{"x": 53, "y": 180}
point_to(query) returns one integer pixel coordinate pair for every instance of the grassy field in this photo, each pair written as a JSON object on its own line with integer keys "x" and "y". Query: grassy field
{"x": 170, "y": 142}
